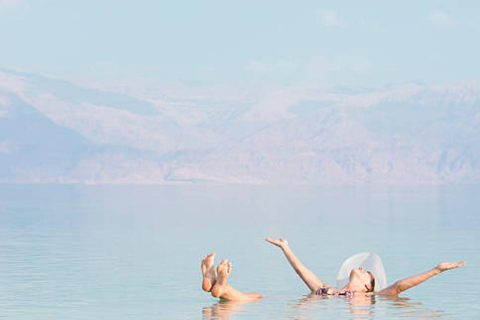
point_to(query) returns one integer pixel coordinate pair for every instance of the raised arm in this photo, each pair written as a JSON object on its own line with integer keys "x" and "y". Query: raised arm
{"x": 310, "y": 279}
{"x": 410, "y": 282}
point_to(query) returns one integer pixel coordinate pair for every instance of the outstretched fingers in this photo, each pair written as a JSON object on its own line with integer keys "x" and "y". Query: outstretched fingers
{"x": 462, "y": 263}
{"x": 444, "y": 266}
{"x": 278, "y": 242}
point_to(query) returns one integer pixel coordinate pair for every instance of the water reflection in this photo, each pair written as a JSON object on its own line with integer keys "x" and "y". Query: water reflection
{"x": 359, "y": 306}
{"x": 224, "y": 309}
{"x": 408, "y": 309}
{"x": 362, "y": 307}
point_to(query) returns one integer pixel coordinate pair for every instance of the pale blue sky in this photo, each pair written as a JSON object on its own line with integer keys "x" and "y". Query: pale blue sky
{"x": 332, "y": 42}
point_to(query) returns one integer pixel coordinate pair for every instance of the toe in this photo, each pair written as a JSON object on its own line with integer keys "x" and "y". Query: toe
{"x": 221, "y": 266}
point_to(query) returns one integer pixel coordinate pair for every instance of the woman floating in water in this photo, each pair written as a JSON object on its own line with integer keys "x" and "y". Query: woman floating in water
{"x": 361, "y": 281}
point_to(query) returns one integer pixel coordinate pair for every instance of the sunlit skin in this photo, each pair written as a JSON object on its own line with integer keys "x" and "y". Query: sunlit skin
{"x": 215, "y": 281}
{"x": 359, "y": 279}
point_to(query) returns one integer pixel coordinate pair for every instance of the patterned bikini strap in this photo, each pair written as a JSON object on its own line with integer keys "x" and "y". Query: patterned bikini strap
{"x": 321, "y": 291}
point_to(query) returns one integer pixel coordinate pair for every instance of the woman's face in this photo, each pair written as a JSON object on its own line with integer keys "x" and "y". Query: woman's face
{"x": 361, "y": 276}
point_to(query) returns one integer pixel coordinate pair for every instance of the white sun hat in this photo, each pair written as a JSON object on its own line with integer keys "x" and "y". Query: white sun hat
{"x": 369, "y": 262}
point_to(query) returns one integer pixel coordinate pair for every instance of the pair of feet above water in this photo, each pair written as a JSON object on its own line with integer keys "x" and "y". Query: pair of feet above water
{"x": 215, "y": 281}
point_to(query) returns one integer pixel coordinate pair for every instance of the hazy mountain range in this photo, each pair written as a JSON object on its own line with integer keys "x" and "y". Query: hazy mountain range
{"x": 54, "y": 131}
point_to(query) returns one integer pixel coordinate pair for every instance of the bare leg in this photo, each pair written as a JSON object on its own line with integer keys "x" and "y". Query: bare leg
{"x": 223, "y": 290}
{"x": 208, "y": 272}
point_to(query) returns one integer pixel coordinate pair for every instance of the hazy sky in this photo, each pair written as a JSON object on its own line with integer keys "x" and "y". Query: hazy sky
{"x": 334, "y": 42}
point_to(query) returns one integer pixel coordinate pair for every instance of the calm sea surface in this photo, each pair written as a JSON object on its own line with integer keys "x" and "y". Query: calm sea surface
{"x": 104, "y": 252}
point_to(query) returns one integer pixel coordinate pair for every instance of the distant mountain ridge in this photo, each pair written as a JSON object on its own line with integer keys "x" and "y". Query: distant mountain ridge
{"x": 53, "y": 131}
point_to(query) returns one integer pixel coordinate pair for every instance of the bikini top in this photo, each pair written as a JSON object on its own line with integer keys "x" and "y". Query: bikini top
{"x": 325, "y": 291}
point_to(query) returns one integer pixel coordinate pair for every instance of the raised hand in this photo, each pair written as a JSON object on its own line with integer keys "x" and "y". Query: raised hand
{"x": 444, "y": 266}
{"x": 282, "y": 243}
{"x": 308, "y": 277}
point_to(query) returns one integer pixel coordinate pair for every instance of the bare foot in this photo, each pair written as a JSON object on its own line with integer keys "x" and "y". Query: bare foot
{"x": 223, "y": 271}
{"x": 208, "y": 272}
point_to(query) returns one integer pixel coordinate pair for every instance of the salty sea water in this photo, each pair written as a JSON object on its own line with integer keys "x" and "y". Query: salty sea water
{"x": 123, "y": 252}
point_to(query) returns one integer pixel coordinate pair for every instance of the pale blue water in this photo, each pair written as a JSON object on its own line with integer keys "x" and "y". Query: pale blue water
{"x": 103, "y": 252}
